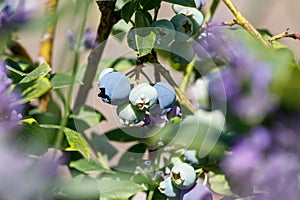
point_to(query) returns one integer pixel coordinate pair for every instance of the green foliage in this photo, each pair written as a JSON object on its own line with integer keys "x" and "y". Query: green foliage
{"x": 88, "y": 166}
{"x": 114, "y": 189}
{"x": 190, "y": 3}
{"x": 128, "y": 10}
{"x": 75, "y": 140}
{"x": 219, "y": 185}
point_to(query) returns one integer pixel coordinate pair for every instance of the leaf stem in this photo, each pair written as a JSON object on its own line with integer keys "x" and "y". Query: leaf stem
{"x": 187, "y": 76}
{"x": 209, "y": 14}
{"x": 150, "y": 195}
{"x": 242, "y": 21}
{"x": 66, "y": 116}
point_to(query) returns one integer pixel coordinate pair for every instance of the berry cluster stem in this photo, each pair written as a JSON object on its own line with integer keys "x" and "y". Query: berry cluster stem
{"x": 285, "y": 34}
{"x": 242, "y": 21}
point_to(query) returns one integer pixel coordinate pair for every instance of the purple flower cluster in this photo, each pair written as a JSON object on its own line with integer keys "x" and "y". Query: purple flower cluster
{"x": 268, "y": 160}
{"x": 13, "y": 16}
{"x": 88, "y": 40}
{"x": 245, "y": 82}
{"x": 10, "y": 109}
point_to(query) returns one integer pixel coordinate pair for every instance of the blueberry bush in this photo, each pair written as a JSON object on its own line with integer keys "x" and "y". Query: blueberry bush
{"x": 199, "y": 110}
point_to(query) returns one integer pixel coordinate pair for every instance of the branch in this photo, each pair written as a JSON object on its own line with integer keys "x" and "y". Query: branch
{"x": 166, "y": 74}
{"x": 285, "y": 34}
{"x": 46, "y": 46}
{"x": 108, "y": 18}
{"x": 209, "y": 14}
{"x": 242, "y": 21}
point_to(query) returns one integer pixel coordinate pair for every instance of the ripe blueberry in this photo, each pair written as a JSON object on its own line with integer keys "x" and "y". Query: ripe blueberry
{"x": 129, "y": 115}
{"x": 184, "y": 26}
{"x": 114, "y": 88}
{"x": 166, "y": 95}
{"x": 166, "y": 187}
{"x": 197, "y": 192}
{"x": 183, "y": 175}
{"x": 143, "y": 96}
{"x": 195, "y": 15}
{"x": 164, "y": 30}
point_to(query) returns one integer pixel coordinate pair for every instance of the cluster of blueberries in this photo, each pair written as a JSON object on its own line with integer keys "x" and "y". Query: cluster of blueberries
{"x": 182, "y": 183}
{"x": 138, "y": 103}
{"x": 173, "y": 35}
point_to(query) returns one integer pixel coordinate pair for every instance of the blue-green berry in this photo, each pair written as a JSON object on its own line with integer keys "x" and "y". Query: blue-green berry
{"x": 183, "y": 175}
{"x": 184, "y": 27}
{"x": 182, "y": 52}
{"x": 164, "y": 31}
{"x": 166, "y": 187}
{"x": 166, "y": 95}
{"x": 143, "y": 96}
{"x": 129, "y": 115}
{"x": 114, "y": 88}
{"x": 195, "y": 15}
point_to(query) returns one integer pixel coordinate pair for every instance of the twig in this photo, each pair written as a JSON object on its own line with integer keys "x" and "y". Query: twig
{"x": 108, "y": 18}
{"x": 166, "y": 74}
{"x": 48, "y": 36}
{"x": 285, "y": 34}
{"x": 233, "y": 22}
{"x": 187, "y": 76}
{"x": 209, "y": 14}
{"x": 46, "y": 46}
{"x": 242, "y": 21}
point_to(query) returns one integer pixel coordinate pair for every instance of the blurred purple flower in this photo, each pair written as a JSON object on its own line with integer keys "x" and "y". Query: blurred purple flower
{"x": 260, "y": 161}
{"x": 14, "y": 16}
{"x": 246, "y": 82}
{"x": 89, "y": 39}
{"x": 10, "y": 109}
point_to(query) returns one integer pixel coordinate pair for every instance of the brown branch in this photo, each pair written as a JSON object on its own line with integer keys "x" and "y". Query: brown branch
{"x": 46, "y": 46}
{"x": 108, "y": 18}
{"x": 242, "y": 21}
{"x": 286, "y": 34}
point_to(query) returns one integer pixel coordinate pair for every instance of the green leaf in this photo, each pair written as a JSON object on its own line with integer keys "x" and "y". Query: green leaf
{"x": 128, "y": 10}
{"x": 145, "y": 44}
{"x": 113, "y": 189}
{"x": 39, "y": 72}
{"x": 142, "y": 19}
{"x": 86, "y": 117}
{"x": 34, "y": 89}
{"x": 190, "y": 3}
{"x": 148, "y": 5}
{"x": 132, "y": 157}
{"x": 126, "y": 134}
{"x": 219, "y": 184}
{"x": 87, "y": 166}
{"x": 60, "y": 80}
{"x": 75, "y": 140}
{"x": 33, "y": 139}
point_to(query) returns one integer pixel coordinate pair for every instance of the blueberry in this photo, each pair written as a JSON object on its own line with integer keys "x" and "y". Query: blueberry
{"x": 197, "y": 192}
{"x": 129, "y": 115}
{"x": 183, "y": 175}
{"x": 143, "y": 96}
{"x": 164, "y": 30}
{"x": 166, "y": 187}
{"x": 195, "y": 15}
{"x": 184, "y": 26}
{"x": 182, "y": 52}
{"x": 131, "y": 39}
{"x": 166, "y": 95}
{"x": 190, "y": 157}
{"x": 114, "y": 88}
